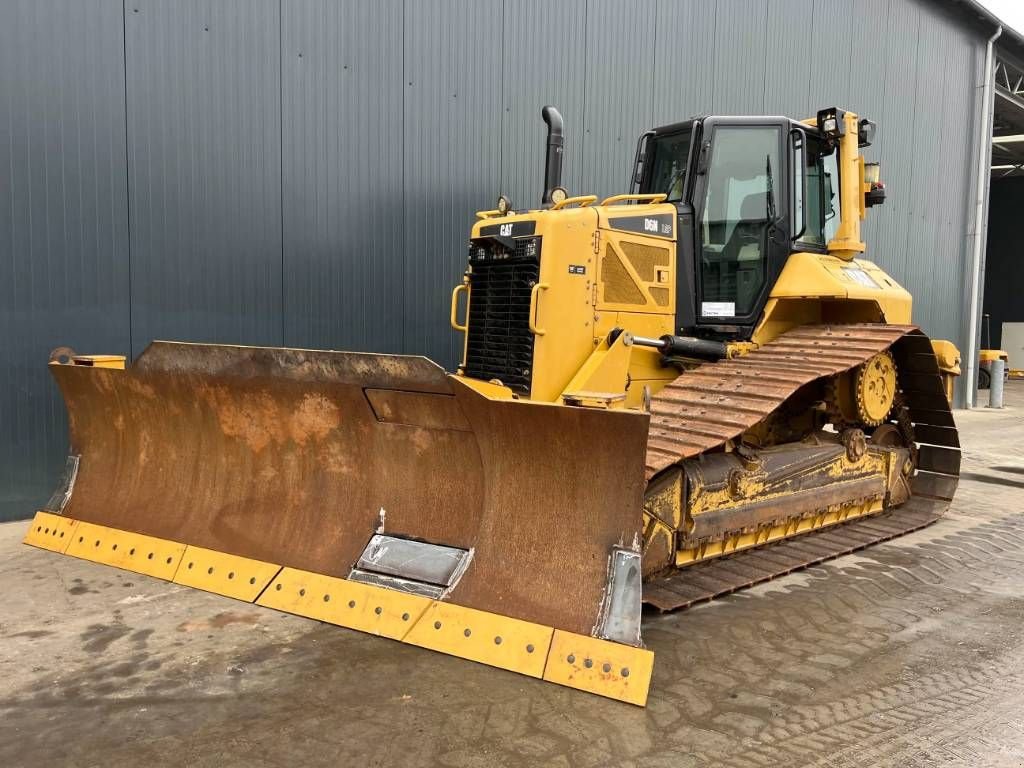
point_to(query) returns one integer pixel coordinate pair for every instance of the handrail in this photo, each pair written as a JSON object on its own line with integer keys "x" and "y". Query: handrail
{"x": 534, "y": 296}
{"x": 582, "y": 200}
{"x": 455, "y": 307}
{"x": 651, "y": 198}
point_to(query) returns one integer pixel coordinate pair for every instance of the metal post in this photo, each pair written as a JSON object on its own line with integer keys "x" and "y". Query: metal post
{"x": 995, "y": 389}
{"x": 984, "y": 142}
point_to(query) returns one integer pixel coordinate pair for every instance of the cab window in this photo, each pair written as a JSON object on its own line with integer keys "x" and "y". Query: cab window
{"x": 739, "y": 208}
{"x": 819, "y": 216}
{"x": 669, "y": 157}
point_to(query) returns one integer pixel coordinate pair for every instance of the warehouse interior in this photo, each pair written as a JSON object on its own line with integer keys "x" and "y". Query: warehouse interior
{"x": 1002, "y": 303}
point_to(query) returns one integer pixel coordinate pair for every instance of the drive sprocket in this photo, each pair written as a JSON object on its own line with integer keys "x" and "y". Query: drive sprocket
{"x": 874, "y": 389}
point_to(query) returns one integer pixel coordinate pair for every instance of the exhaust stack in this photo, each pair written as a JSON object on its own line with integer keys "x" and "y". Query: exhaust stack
{"x": 553, "y": 156}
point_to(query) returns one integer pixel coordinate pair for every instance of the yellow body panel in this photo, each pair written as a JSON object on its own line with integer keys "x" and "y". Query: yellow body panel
{"x": 488, "y": 638}
{"x": 990, "y": 355}
{"x": 122, "y": 549}
{"x": 608, "y": 669}
{"x": 377, "y": 611}
{"x": 815, "y": 288}
{"x": 230, "y": 575}
{"x": 50, "y": 531}
{"x": 573, "y": 309}
{"x": 847, "y": 244}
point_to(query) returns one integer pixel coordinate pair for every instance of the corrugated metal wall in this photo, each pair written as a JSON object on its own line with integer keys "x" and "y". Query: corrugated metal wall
{"x": 305, "y": 171}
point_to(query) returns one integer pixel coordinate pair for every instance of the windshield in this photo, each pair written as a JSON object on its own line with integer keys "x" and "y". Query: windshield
{"x": 668, "y": 156}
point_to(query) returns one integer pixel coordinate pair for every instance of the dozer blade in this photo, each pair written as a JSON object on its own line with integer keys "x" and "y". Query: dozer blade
{"x": 371, "y": 491}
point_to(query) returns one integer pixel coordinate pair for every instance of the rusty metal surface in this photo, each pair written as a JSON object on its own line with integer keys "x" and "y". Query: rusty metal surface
{"x": 278, "y": 455}
{"x": 932, "y": 490}
{"x": 703, "y": 408}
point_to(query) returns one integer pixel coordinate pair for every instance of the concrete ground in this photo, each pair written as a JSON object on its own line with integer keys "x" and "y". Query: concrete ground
{"x": 910, "y": 653}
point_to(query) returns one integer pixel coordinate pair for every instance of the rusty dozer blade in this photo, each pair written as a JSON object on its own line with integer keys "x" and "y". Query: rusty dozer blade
{"x": 369, "y": 480}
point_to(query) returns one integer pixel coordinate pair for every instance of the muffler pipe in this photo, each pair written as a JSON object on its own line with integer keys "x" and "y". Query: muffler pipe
{"x": 553, "y": 156}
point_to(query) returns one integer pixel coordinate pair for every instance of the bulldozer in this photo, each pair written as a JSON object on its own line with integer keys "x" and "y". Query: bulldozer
{"x": 664, "y": 396}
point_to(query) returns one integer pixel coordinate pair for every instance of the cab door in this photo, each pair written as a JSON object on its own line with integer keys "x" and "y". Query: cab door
{"x": 741, "y": 220}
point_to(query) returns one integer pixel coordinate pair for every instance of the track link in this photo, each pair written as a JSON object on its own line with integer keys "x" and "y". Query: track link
{"x": 686, "y": 420}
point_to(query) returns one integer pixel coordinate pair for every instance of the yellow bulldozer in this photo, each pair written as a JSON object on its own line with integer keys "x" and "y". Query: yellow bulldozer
{"x": 664, "y": 396}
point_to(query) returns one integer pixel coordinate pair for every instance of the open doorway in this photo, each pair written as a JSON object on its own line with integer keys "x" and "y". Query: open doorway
{"x": 1002, "y": 327}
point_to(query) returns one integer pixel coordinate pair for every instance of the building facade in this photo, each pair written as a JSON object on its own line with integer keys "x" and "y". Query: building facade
{"x": 305, "y": 172}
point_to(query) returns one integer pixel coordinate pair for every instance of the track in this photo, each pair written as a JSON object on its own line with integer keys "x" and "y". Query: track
{"x": 719, "y": 401}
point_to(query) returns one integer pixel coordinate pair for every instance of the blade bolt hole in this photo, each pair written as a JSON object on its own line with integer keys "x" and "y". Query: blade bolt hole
{"x": 378, "y": 610}
{"x": 302, "y": 593}
{"x": 351, "y": 603}
{"x": 529, "y": 648}
{"x": 497, "y": 640}
{"x": 571, "y": 659}
{"x": 588, "y": 663}
{"x": 437, "y": 625}
{"x": 467, "y": 632}
{"x": 405, "y": 617}
{"x": 327, "y": 598}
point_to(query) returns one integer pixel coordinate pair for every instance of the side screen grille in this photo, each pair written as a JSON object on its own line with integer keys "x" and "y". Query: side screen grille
{"x": 499, "y": 344}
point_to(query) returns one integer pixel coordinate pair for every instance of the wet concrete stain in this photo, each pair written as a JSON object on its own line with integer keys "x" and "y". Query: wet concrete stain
{"x": 220, "y": 621}
{"x": 140, "y": 636}
{"x": 991, "y": 479}
{"x": 98, "y": 637}
{"x": 32, "y": 634}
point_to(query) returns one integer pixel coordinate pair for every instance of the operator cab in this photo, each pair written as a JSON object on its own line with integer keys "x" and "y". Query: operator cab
{"x": 749, "y": 191}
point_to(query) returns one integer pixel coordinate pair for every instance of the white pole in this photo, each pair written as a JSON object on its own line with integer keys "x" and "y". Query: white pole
{"x": 984, "y": 161}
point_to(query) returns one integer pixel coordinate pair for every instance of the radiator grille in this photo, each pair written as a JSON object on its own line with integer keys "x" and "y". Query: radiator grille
{"x": 500, "y": 344}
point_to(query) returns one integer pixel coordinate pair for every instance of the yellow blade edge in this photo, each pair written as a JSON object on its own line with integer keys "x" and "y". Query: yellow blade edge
{"x": 609, "y": 669}
{"x": 487, "y": 638}
{"x": 589, "y": 664}
{"x": 50, "y": 531}
{"x": 230, "y": 575}
{"x": 122, "y": 549}
{"x": 382, "y": 612}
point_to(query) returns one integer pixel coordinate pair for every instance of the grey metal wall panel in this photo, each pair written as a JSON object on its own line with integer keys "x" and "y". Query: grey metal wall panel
{"x": 63, "y": 225}
{"x": 543, "y": 54}
{"x": 787, "y": 74}
{"x": 739, "y": 57}
{"x": 620, "y": 59}
{"x": 897, "y": 133}
{"x": 306, "y": 171}
{"x": 684, "y": 49}
{"x": 204, "y": 134}
{"x": 451, "y": 145}
{"x": 344, "y": 282}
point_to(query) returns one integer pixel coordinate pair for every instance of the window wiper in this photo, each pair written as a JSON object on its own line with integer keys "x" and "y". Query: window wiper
{"x": 771, "y": 188}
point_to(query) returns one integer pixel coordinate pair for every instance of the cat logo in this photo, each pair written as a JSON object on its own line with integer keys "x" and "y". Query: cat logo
{"x": 651, "y": 225}
{"x": 506, "y": 230}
